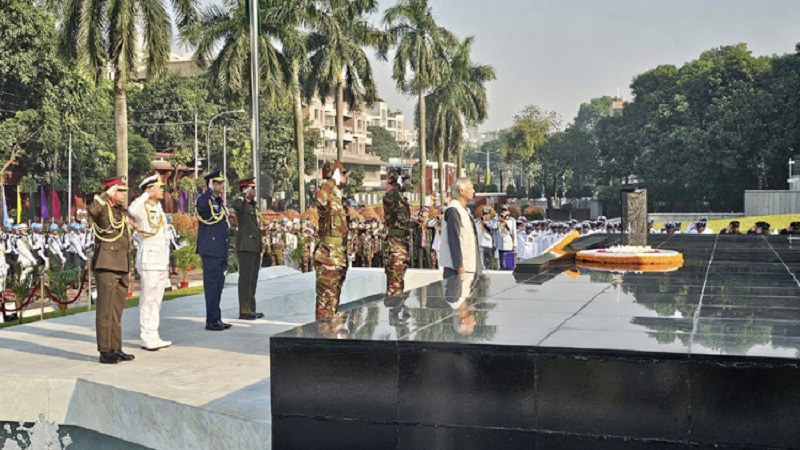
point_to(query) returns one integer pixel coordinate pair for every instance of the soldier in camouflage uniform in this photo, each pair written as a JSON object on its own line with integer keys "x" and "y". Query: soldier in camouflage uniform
{"x": 278, "y": 245}
{"x": 377, "y": 245}
{"x": 330, "y": 259}
{"x": 398, "y": 215}
{"x": 306, "y": 241}
{"x": 352, "y": 242}
{"x": 266, "y": 245}
{"x": 365, "y": 246}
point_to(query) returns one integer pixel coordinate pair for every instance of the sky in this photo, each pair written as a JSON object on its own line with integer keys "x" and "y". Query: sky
{"x": 558, "y": 54}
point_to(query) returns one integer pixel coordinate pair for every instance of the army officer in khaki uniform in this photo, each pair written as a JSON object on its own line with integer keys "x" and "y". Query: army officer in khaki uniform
{"x": 111, "y": 264}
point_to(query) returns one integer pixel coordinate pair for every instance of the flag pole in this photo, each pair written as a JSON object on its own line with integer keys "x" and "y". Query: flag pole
{"x": 69, "y": 180}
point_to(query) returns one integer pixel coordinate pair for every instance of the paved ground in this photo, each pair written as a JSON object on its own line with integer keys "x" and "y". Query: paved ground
{"x": 206, "y": 380}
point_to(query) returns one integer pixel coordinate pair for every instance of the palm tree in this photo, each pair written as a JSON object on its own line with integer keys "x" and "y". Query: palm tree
{"x": 222, "y": 38}
{"x": 421, "y": 45}
{"x": 99, "y": 35}
{"x": 459, "y": 98}
{"x": 286, "y": 18}
{"x": 339, "y": 64}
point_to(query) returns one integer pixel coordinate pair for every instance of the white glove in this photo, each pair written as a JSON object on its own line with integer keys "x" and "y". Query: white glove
{"x": 112, "y": 190}
{"x": 337, "y": 177}
{"x": 399, "y": 181}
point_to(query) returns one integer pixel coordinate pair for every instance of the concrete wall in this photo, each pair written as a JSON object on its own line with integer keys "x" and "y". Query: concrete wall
{"x": 767, "y": 203}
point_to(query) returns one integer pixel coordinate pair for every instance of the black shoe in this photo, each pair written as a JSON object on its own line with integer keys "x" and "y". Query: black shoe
{"x": 259, "y": 315}
{"x": 108, "y": 358}
{"x": 225, "y": 325}
{"x": 218, "y": 326}
{"x": 123, "y": 356}
{"x": 248, "y": 316}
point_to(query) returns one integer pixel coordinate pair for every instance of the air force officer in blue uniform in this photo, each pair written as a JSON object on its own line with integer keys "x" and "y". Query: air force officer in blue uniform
{"x": 212, "y": 246}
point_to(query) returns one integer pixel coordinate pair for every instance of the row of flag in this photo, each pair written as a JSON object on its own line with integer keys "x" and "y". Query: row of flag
{"x": 44, "y": 212}
{"x": 55, "y": 204}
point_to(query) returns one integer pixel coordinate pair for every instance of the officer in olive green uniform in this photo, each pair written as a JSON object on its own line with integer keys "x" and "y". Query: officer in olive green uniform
{"x": 111, "y": 264}
{"x": 330, "y": 259}
{"x": 398, "y": 215}
{"x": 248, "y": 248}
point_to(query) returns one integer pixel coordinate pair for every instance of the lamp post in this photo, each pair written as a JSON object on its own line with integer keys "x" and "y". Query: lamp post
{"x": 208, "y": 134}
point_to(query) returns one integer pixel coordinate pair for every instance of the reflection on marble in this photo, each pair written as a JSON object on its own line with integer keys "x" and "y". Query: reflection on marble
{"x": 732, "y": 295}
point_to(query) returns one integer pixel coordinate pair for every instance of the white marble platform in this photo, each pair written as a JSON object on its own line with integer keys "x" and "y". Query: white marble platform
{"x": 210, "y": 390}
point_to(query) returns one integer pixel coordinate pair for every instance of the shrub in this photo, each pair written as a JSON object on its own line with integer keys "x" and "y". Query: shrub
{"x": 185, "y": 223}
{"x": 534, "y": 212}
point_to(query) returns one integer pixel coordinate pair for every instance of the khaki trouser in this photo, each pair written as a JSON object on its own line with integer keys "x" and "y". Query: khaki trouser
{"x": 111, "y": 290}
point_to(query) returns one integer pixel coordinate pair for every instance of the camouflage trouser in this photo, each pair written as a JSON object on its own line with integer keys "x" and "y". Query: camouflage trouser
{"x": 305, "y": 264}
{"x": 396, "y": 264}
{"x": 330, "y": 264}
{"x": 277, "y": 258}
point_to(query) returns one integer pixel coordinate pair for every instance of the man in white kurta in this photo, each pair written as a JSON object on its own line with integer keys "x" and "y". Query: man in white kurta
{"x": 152, "y": 259}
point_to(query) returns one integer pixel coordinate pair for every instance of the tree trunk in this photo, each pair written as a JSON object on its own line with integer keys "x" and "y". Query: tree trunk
{"x": 459, "y": 161}
{"x": 422, "y": 156}
{"x": 298, "y": 135}
{"x": 121, "y": 123}
{"x": 442, "y": 172}
{"x": 340, "y": 119}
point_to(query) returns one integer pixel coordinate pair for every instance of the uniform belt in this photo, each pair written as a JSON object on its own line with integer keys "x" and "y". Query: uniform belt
{"x": 331, "y": 240}
{"x": 397, "y": 233}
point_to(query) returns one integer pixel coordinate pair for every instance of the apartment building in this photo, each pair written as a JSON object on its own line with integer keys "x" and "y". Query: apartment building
{"x": 393, "y": 122}
{"x": 322, "y": 116}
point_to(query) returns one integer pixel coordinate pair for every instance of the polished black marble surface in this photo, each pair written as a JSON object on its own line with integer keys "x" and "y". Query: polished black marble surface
{"x": 559, "y": 356}
{"x": 732, "y": 290}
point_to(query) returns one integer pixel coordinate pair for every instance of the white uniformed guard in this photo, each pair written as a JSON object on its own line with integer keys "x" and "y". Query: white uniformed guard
{"x": 152, "y": 258}
{"x": 27, "y": 260}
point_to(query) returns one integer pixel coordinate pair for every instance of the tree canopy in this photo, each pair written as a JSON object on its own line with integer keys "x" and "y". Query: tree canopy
{"x": 384, "y": 143}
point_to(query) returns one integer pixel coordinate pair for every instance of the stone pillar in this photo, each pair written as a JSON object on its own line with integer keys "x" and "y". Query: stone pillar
{"x": 634, "y": 215}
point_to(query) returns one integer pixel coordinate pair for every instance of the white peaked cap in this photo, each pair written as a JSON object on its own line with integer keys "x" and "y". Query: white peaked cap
{"x": 149, "y": 180}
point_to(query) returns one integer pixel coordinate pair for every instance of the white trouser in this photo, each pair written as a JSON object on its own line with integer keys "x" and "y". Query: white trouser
{"x": 26, "y": 268}
{"x": 154, "y": 283}
{"x": 3, "y": 274}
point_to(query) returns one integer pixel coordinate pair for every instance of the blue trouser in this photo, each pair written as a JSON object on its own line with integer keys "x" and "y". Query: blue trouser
{"x": 213, "y": 280}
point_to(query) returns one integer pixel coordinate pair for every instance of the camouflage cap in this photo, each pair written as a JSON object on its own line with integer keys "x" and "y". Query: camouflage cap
{"x": 393, "y": 176}
{"x": 329, "y": 167}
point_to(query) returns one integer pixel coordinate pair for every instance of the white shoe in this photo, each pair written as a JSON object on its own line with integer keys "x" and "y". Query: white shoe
{"x": 150, "y": 346}
{"x": 155, "y": 344}
{"x": 162, "y": 344}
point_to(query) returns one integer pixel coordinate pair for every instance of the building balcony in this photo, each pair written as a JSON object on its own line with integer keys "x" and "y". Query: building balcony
{"x": 348, "y": 136}
{"x": 329, "y": 135}
{"x": 368, "y": 141}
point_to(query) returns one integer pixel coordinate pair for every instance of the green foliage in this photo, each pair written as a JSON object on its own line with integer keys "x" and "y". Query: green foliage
{"x": 699, "y": 135}
{"x": 567, "y": 160}
{"x": 355, "y": 181}
{"x": 589, "y": 114}
{"x": 172, "y": 103}
{"x": 187, "y": 256}
{"x": 140, "y": 157}
{"x": 43, "y": 101}
{"x": 528, "y": 134}
{"x": 481, "y": 187}
{"x": 384, "y": 143}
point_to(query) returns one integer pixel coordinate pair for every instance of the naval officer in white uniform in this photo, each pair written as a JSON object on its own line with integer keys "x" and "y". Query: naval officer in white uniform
{"x": 152, "y": 258}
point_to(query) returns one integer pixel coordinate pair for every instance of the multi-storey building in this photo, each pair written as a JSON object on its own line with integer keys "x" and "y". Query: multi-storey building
{"x": 322, "y": 116}
{"x": 393, "y": 122}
